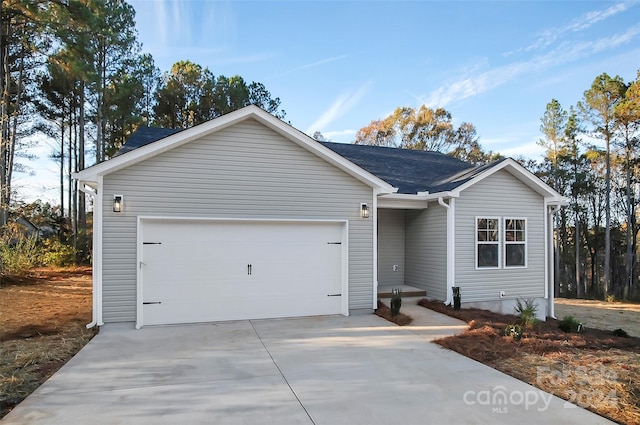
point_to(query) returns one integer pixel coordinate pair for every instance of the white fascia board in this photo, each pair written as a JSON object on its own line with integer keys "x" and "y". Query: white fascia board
{"x": 518, "y": 171}
{"x": 185, "y": 136}
{"x": 401, "y": 201}
{"x": 412, "y": 201}
{"x": 563, "y": 202}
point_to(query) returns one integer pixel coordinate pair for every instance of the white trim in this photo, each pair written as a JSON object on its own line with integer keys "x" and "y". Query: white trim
{"x": 451, "y": 247}
{"x": 452, "y": 229}
{"x": 402, "y": 201}
{"x": 505, "y": 243}
{"x": 96, "y": 256}
{"x": 139, "y": 274}
{"x": 549, "y": 212}
{"x": 497, "y": 243}
{"x": 345, "y": 266}
{"x": 144, "y": 152}
{"x": 139, "y": 243}
{"x": 374, "y": 215}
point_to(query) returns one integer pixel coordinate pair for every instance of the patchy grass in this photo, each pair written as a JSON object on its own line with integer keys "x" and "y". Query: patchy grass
{"x": 42, "y": 325}
{"x": 400, "y": 319}
{"x": 594, "y": 369}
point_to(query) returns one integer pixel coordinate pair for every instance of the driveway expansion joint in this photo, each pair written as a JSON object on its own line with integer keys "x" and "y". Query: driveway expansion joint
{"x": 282, "y": 374}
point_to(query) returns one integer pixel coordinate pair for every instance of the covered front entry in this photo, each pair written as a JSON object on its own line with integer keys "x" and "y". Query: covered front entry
{"x": 412, "y": 250}
{"x": 215, "y": 270}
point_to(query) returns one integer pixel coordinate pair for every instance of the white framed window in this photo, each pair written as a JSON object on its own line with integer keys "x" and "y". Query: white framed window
{"x": 487, "y": 242}
{"x": 515, "y": 242}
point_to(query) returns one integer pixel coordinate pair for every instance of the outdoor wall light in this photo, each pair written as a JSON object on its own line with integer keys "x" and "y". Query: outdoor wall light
{"x": 118, "y": 203}
{"x": 364, "y": 210}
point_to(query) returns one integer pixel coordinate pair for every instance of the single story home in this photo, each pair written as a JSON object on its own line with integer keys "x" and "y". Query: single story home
{"x": 245, "y": 217}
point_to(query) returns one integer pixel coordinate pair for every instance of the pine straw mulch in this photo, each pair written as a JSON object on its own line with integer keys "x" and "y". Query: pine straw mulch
{"x": 593, "y": 369}
{"x": 42, "y": 325}
{"x": 400, "y": 319}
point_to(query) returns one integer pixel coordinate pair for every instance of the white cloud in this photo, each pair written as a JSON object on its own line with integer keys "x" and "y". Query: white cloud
{"x": 339, "y": 107}
{"x": 342, "y": 136}
{"x": 590, "y": 18}
{"x": 529, "y": 150}
{"x": 472, "y": 85}
{"x": 314, "y": 64}
{"x": 583, "y": 22}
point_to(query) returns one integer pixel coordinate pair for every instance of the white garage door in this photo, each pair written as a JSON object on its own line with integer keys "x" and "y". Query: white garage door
{"x": 199, "y": 271}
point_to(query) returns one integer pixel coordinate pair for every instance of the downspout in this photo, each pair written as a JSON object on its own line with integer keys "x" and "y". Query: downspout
{"x": 374, "y": 215}
{"x": 94, "y": 316}
{"x": 549, "y": 261}
{"x": 450, "y": 247}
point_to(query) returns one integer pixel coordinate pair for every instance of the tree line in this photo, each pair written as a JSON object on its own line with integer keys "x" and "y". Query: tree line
{"x": 74, "y": 71}
{"x": 592, "y": 157}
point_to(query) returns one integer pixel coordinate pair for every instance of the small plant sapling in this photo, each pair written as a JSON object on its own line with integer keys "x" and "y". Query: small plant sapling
{"x": 570, "y": 324}
{"x": 526, "y": 311}
{"x": 396, "y": 301}
{"x": 514, "y": 331}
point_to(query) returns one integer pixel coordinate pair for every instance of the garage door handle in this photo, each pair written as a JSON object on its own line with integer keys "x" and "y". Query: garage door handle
{"x": 249, "y": 267}
{"x": 334, "y": 295}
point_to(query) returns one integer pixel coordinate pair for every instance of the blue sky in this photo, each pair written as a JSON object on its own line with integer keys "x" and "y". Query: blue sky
{"x": 338, "y": 65}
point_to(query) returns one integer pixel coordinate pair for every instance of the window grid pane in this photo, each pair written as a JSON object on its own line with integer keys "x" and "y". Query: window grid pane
{"x": 515, "y": 242}
{"x": 488, "y": 242}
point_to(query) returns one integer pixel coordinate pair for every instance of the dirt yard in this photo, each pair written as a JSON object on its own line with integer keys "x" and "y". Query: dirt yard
{"x": 602, "y": 315}
{"x": 42, "y": 325}
{"x": 593, "y": 369}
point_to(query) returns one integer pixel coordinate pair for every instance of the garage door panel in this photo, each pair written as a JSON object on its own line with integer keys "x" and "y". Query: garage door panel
{"x": 210, "y": 271}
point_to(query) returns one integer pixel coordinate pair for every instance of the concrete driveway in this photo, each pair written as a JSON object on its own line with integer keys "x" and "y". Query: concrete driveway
{"x": 319, "y": 370}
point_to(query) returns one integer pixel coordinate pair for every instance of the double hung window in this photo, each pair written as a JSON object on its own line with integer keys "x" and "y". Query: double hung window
{"x": 501, "y": 242}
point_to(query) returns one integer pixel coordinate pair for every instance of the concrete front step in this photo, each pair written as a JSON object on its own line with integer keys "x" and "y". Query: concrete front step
{"x": 386, "y": 291}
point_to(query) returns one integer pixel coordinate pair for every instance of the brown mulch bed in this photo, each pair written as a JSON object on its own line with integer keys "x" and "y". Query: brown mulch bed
{"x": 593, "y": 369}
{"x": 42, "y": 325}
{"x": 400, "y": 319}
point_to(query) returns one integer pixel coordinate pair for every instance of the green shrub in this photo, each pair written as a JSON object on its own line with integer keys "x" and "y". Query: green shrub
{"x": 569, "y": 324}
{"x": 514, "y": 331}
{"x": 611, "y": 298}
{"x": 526, "y": 311}
{"x": 18, "y": 253}
{"x": 56, "y": 254}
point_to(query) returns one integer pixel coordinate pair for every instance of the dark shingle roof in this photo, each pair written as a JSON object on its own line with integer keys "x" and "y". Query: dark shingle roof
{"x": 145, "y": 135}
{"x": 409, "y": 170}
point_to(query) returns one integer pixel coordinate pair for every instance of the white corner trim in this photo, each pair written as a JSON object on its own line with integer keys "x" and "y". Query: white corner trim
{"x": 96, "y": 256}
{"x": 549, "y": 287}
{"x": 139, "y": 274}
{"x": 451, "y": 249}
{"x": 374, "y": 217}
{"x": 345, "y": 268}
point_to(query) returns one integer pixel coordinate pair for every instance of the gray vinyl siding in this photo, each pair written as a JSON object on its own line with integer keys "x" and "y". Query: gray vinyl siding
{"x": 244, "y": 171}
{"x": 500, "y": 195}
{"x": 426, "y": 250}
{"x": 390, "y": 247}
